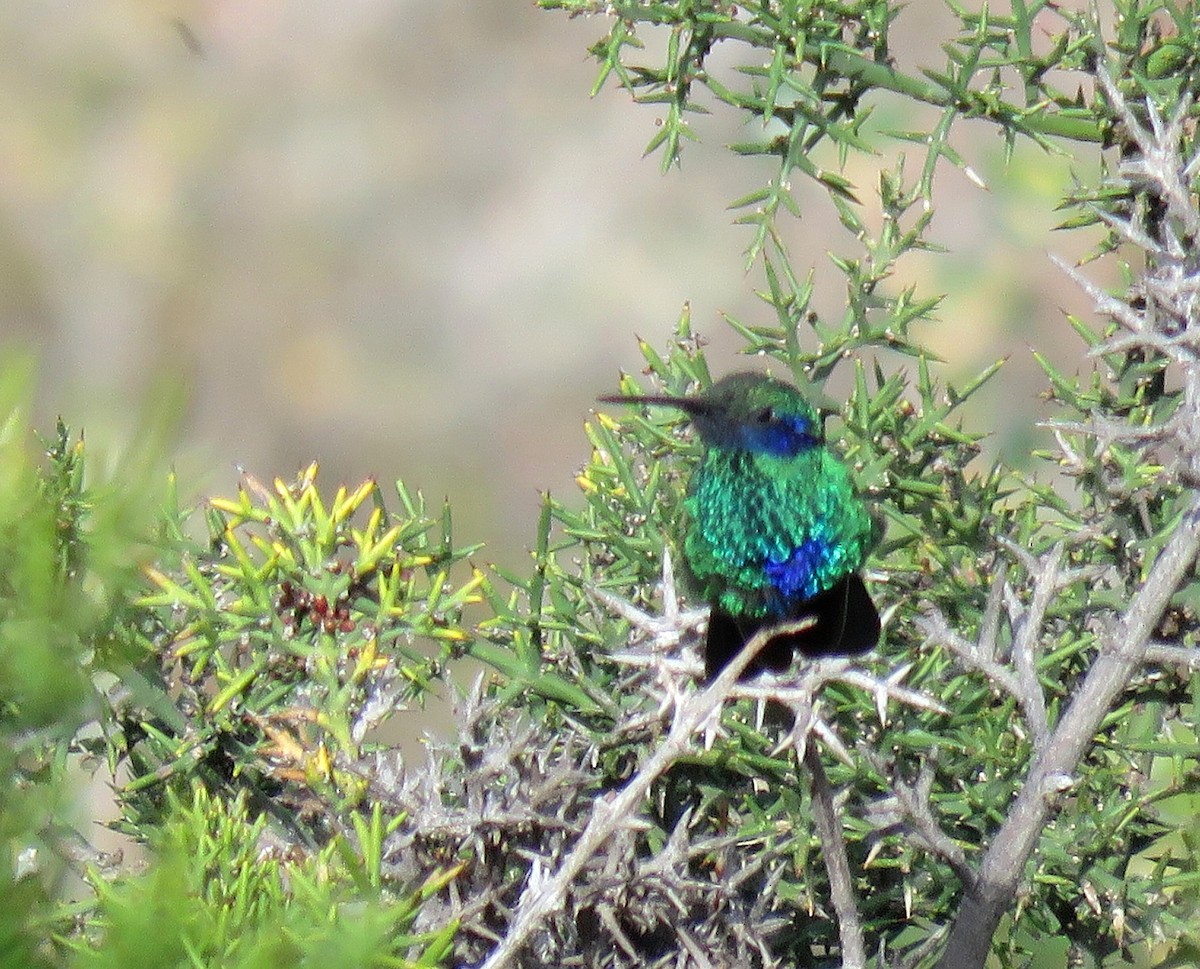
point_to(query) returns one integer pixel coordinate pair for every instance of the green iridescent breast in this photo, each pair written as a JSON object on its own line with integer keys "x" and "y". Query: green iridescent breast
{"x": 767, "y": 533}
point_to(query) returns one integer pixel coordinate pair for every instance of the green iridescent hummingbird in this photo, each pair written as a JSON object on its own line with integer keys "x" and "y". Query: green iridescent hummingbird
{"x": 776, "y": 532}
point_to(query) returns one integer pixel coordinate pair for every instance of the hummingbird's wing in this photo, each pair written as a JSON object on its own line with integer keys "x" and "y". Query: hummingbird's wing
{"x": 847, "y": 624}
{"x": 724, "y": 640}
{"x": 727, "y": 636}
{"x": 847, "y": 621}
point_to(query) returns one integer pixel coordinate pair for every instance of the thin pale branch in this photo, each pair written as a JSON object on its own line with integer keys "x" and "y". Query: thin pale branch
{"x": 835, "y": 671}
{"x": 1109, "y": 431}
{"x": 914, "y": 801}
{"x": 837, "y": 864}
{"x": 934, "y": 627}
{"x": 1123, "y": 649}
{"x": 1117, "y": 310}
{"x": 989, "y": 627}
{"x": 1187, "y": 657}
{"x": 1027, "y": 649}
{"x": 1158, "y": 160}
{"x": 546, "y": 893}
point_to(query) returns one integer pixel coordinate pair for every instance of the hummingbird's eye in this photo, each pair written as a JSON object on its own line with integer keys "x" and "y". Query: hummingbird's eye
{"x": 765, "y": 416}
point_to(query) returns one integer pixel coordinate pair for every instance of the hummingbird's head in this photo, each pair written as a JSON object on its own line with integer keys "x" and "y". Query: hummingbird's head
{"x": 748, "y": 412}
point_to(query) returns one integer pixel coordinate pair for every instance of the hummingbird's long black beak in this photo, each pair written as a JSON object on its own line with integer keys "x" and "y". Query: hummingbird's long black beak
{"x": 689, "y": 405}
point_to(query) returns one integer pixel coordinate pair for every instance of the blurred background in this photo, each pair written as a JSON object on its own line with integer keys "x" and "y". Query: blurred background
{"x": 399, "y": 238}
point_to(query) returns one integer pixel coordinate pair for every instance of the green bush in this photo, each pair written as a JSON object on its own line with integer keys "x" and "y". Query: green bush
{"x": 1012, "y": 773}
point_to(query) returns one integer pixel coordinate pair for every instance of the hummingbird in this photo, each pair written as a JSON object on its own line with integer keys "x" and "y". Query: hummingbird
{"x": 775, "y": 531}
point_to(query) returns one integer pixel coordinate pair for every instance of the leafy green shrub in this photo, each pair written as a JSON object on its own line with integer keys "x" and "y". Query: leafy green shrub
{"x": 1012, "y": 772}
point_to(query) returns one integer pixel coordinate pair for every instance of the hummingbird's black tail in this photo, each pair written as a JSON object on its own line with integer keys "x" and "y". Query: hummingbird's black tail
{"x": 847, "y": 624}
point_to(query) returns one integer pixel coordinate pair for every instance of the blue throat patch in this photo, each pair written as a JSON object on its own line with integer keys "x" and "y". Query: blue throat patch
{"x": 795, "y": 578}
{"x": 783, "y": 437}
